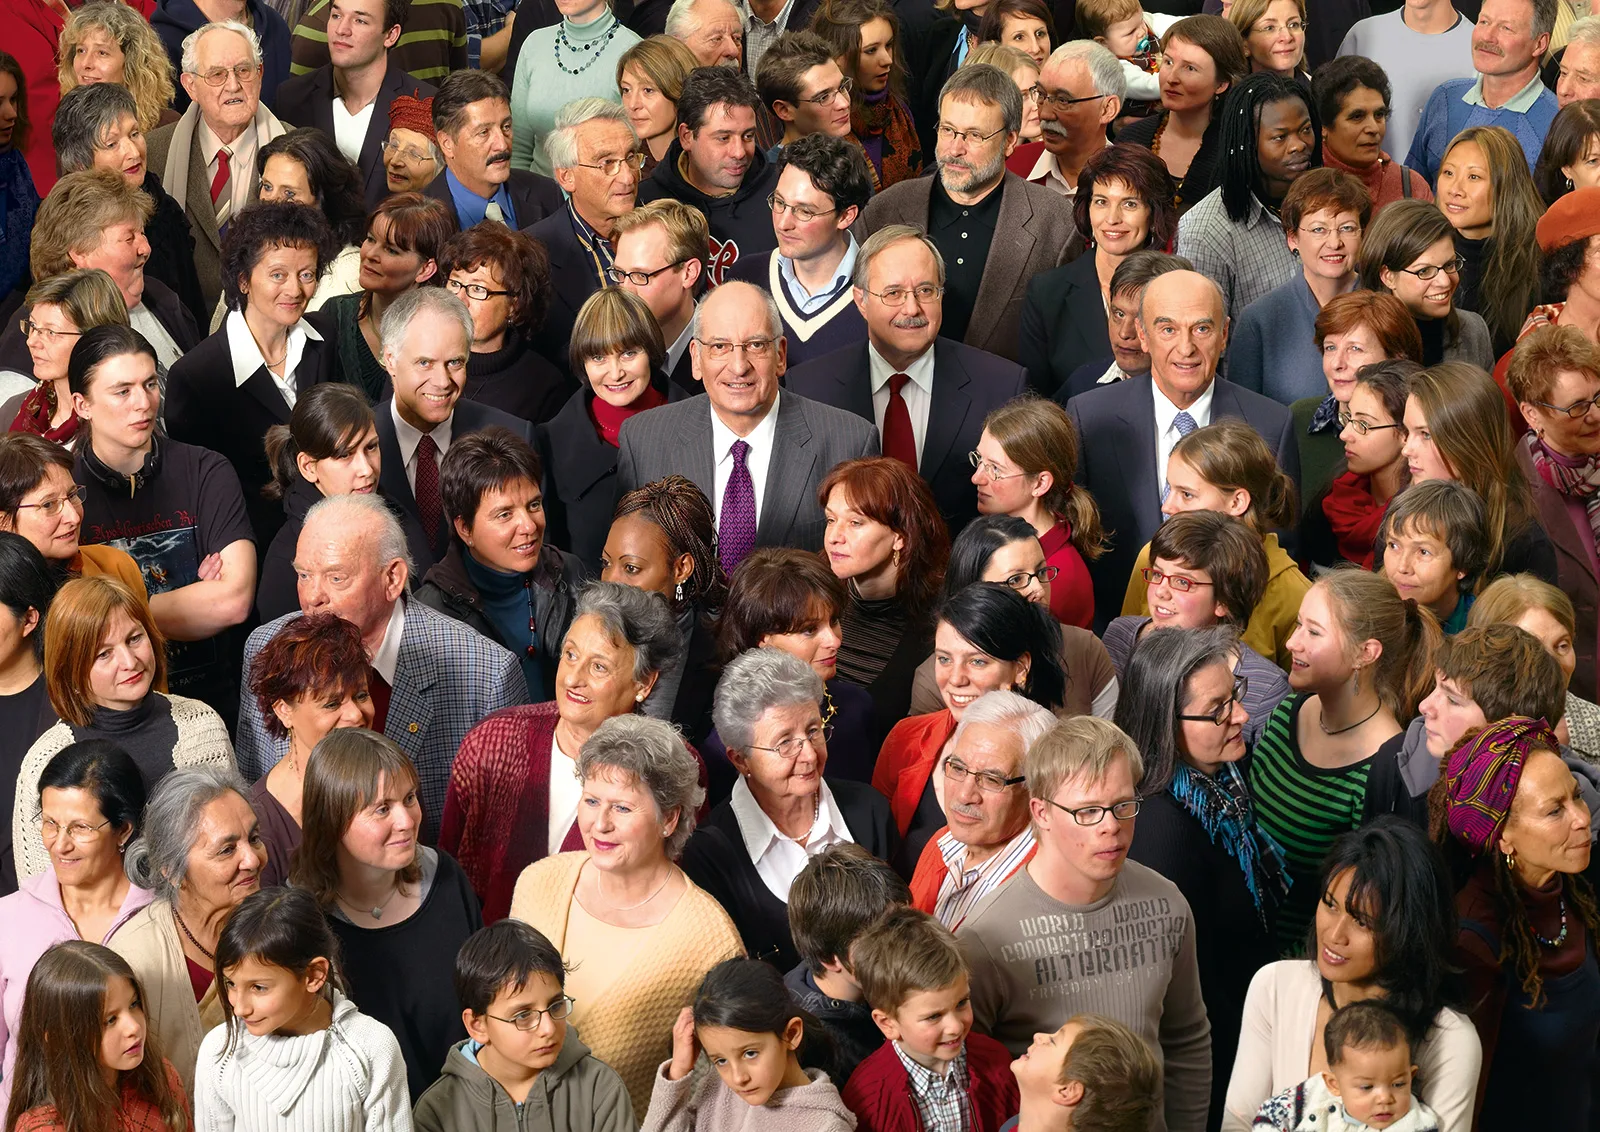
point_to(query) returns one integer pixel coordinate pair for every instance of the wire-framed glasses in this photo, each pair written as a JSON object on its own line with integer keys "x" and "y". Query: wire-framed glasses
{"x": 529, "y": 1019}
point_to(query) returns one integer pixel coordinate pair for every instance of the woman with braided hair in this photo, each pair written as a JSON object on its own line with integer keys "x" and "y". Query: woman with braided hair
{"x": 1512, "y": 810}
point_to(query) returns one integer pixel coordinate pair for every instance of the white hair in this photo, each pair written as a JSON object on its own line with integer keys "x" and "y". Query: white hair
{"x": 774, "y": 319}
{"x": 191, "y": 42}
{"x": 1105, "y": 70}
{"x": 1586, "y": 30}
{"x": 397, "y": 318}
{"x": 348, "y": 513}
{"x": 681, "y": 20}
{"x": 561, "y": 143}
{"x": 1017, "y": 714}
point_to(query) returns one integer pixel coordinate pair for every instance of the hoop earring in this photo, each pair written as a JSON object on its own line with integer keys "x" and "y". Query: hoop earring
{"x": 1511, "y": 861}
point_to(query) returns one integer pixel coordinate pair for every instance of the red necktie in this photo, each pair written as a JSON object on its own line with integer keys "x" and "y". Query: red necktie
{"x": 430, "y": 509}
{"x": 378, "y": 688}
{"x": 222, "y": 192}
{"x": 898, "y": 439}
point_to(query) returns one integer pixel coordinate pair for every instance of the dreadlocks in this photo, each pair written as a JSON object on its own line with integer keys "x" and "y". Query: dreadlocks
{"x": 1241, "y": 126}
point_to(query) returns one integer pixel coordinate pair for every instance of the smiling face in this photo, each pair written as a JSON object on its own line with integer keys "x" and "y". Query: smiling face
{"x": 722, "y": 149}
{"x": 1430, "y": 298}
{"x": 504, "y": 1047}
{"x": 594, "y": 677}
{"x": 428, "y": 369}
{"x": 1356, "y": 134}
{"x": 227, "y": 856}
{"x": 1184, "y": 328}
{"x": 1347, "y": 944}
{"x": 98, "y": 58}
{"x": 771, "y": 777}
{"x": 80, "y": 859}
{"x": 621, "y": 827}
{"x": 1418, "y": 561}
{"x": 930, "y": 1025}
{"x": 269, "y": 999}
{"x": 908, "y": 330}
{"x": 1094, "y": 852}
{"x": 284, "y": 179}
{"x": 1317, "y": 647}
{"x": 741, "y": 388}
{"x": 1380, "y": 448}
{"x": 963, "y": 672}
{"x": 1553, "y": 635}
{"x": 122, "y": 401}
{"x": 1119, "y": 219}
{"x": 638, "y": 554}
{"x": 1548, "y": 828}
{"x": 54, "y": 536}
{"x": 652, "y": 113}
{"x": 383, "y": 833}
{"x": 281, "y": 285}
{"x": 976, "y": 816}
{"x": 124, "y": 664}
{"x": 618, "y": 378}
{"x": 229, "y": 107}
{"x": 1285, "y": 141}
{"x": 1277, "y": 41}
{"x": 1328, "y": 242}
{"x": 123, "y": 1026}
{"x": 1374, "y": 1083}
{"x": 1344, "y": 354}
{"x": 121, "y": 148}
{"x": 875, "y": 58}
{"x": 1465, "y": 194}
{"x": 752, "y": 1065}
{"x": 1188, "y": 77}
{"x": 1575, "y": 438}
{"x": 507, "y": 531}
{"x": 1172, "y": 607}
{"x": 1448, "y": 713}
{"x": 1423, "y": 457}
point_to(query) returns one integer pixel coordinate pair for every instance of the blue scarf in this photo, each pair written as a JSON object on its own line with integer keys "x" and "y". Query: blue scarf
{"x": 1222, "y": 807}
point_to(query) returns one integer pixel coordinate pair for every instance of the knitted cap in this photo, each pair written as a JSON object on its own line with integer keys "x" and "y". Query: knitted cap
{"x": 1481, "y": 777}
{"x": 1575, "y": 216}
{"x": 409, "y": 112}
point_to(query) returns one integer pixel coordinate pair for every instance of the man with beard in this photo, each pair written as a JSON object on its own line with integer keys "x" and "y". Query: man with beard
{"x": 472, "y": 116}
{"x": 994, "y": 230}
{"x": 1083, "y": 89}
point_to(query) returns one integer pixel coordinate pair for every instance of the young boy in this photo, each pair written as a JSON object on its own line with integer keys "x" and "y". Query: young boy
{"x": 1092, "y": 1075}
{"x": 1435, "y": 548}
{"x": 837, "y": 896}
{"x": 521, "y": 1051}
{"x": 933, "y": 1073}
{"x": 1133, "y": 36}
{"x": 1367, "y": 1083}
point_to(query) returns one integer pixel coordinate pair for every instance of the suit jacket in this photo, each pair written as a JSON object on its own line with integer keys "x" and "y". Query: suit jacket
{"x": 533, "y": 197}
{"x": 1117, "y": 466}
{"x": 159, "y": 299}
{"x": 1063, "y": 324}
{"x": 1573, "y": 544}
{"x": 307, "y": 100}
{"x": 447, "y": 678}
{"x": 811, "y": 438}
{"x": 469, "y": 417}
{"x": 1034, "y": 232}
{"x": 967, "y": 384}
{"x": 572, "y": 280}
{"x": 580, "y": 481}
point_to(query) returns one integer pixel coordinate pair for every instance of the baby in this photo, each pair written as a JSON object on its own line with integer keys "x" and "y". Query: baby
{"x": 1133, "y": 36}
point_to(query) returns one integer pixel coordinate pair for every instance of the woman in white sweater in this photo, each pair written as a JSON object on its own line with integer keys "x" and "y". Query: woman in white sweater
{"x": 1384, "y": 925}
{"x": 293, "y": 1054}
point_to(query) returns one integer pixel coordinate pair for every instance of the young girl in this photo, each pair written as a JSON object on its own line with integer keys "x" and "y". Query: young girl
{"x": 287, "y": 1024}
{"x": 85, "y": 1059}
{"x": 753, "y": 1033}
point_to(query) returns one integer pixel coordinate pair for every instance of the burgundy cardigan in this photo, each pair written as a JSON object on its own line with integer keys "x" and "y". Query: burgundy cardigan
{"x": 879, "y": 1091}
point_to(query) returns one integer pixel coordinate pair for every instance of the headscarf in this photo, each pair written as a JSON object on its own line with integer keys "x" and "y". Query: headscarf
{"x": 1481, "y": 777}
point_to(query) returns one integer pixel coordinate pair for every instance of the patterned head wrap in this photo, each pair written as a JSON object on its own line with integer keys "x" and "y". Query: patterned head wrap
{"x": 1481, "y": 777}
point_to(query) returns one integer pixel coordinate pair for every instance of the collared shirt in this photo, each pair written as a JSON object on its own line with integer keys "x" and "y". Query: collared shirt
{"x": 241, "y": 163}
{"x": 247, "y": 357}
{"x": 1114, "y": 373}
{"x": 917, "y": 393}
{"x": 676, "y": 350}
{"x": 942, "y": 1102}
{"x": 758, "y": 34}
{"x": 1167, "y": 434}
{"x": 597, "y": 249}
{"x": 565, "y": 794}
{"x": 472, "y": 209}
{"x": 1047, "y": 172}
{"x": 1519, "y": 103}
{"x": 408, "y": 438}
{"x": 777, "y": 857}
{"x": 963, "y": 887}
{"x": 387, "y": 657}
{"x": 1246, "y": 260}
{"x": 757, "y": 460}
{"x": 350, "y": 130}
{"x": 805, "y": 301}
{"x": 962, "y": 233}
{"x": 484, "y": 18}
{"x": 144, "y": 320}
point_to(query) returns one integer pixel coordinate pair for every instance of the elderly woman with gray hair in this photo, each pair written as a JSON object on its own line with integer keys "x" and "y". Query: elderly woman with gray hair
{"x": 514, "y": 796}
{"x": 644, "y": 932}
{"x": 200, "y": 854}
{"x": 769, "y": 713}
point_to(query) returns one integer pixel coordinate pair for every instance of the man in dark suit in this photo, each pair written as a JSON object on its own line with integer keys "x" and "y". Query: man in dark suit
{"x": 427, "y": 337}
{"x": 994, "y": 230}
{"x": 662, "y": 249}
{"x": 472, "y": 117}
{"x": 757, "y": 454}
{"x": 1129, "y": 428}
{"x": 349, "y": 98}
{"x": 927, "y": 395}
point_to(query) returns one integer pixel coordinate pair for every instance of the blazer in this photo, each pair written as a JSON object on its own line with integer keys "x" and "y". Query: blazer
{"x": 533, "y": 197}
{"x": 159, "y": 299}
{"x": 580, "y": 481}
{"x": 1117, "y": 466}
{"x": 307, "y": 100}
{"x": 1063, "y": 324}
{"x": 446, "y": 679}
{"x": 572, "y": 280}
{"x": 811, "y": 438}
{"x": 1574, "y": 544}
{"x": 469, "y": 417}
{"x": 967, "y": 384}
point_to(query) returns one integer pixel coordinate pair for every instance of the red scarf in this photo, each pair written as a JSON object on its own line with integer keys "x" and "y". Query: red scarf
{"x": 37, "y": 409}
{"x": 608, "y": 418}
{"x": 1354, "y": 516}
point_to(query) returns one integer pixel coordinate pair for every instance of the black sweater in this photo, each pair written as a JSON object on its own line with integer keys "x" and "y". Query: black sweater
{"x": 517, "y": 380}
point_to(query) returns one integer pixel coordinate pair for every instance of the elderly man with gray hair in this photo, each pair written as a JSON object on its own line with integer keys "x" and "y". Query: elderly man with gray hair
{"x": 712, "y": 30}
{"x": 1578, "y": 76}
{"x": 431, "y": 677}
{"x": 1084, "y": 87}
{"x": 774, "y": 718}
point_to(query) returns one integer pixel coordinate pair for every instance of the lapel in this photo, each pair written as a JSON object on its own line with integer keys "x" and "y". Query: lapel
{"x": 1009, "y": 253}
{"x": 378, "y": 127}
{"x": 416, "y": 671}
{"x": 949, "y": 405}
{"x": 392, "y": 476}
{"x": 789, "y": 478}
{"x": 266, "y": 393}
{"x": 323, "y": 92}
{"x": 1138, "y": 457}
{"x": 1553, "y": 515}
{"x": 1223, "y": 402}
{"x": 692, "y": 443}
{"x": 201, "y": 210}
{"x": 855, "y": 385}
{"x": 583, "y": 457}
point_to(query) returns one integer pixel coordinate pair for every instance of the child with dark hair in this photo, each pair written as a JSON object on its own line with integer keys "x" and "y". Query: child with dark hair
{"x": 522, "y": 1065}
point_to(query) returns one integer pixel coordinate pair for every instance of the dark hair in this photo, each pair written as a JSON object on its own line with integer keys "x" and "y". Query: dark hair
{"x": 1391, "y": 381}
{"x": 837, "y": 896}
{"x": 107, "y": 772}
{"x": 1220, "y": 40}
{"x": 776, "y": 589}
{"x": 1401, "y": 232}
{"x": 417, "y": 224}
{"x": 334, "y": 181}
{"x": 394, "y": 13}
{"x": 1241, "y": 128}
{"x": 1400, "y": 887}
{"x": 26, "y": 582}
{"x": 281, "y": 927}
{"x": 503, "y": 956}
{"x": 840, "y": 23}
{"x": 317, "y": 654}
{"x": 265, "y": 225}
{"x": 1224, "y": 546}
{"x": 836, "y": 166}
{"x": 1564, "y": 144}
{"x": 888, "y": 492}
{"x": 460, "y": 90}
{"x": 992, "y": 25}
{"x": 1338, "y": 77}
{"x": 1364, "y": 1024}
{"x": 1137, "y": 269}
{"x": 480, "y": 462}
{"x": 1559, "y": 269}
{"x": 1451, "y": 512}
{"x": 995, "y": 618}
{"x": 706, "y": 87}
{"x": 750, "y": 995}
{"x": 977, "y": 543}
{"x": 100, "y": 344}
{"x": 521, "y": 262}
{"x": 82, "y": 118}
{"x": 1154, "y": 689}
{"x": 789, "y": 57}
{"x": 327, "y": 421}
{"x": 24, "y": 459}
{"x": 683, "y": 515}
{"x": 22, "y": 132}
{"x": 1143, "y": 172}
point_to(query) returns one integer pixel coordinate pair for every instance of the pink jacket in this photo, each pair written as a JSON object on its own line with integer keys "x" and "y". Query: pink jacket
{"x": 35, "y": 921}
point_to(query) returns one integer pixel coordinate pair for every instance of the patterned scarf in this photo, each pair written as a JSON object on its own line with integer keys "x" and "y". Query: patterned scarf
{"x": 1574, "y": 478}
{"x": 1222, "y": 807}
{"x": 35, "y": 413}
{"x": 1325, "y": 416}
{"x": 889, "y": 119}
{"x": 1481, "y": 777}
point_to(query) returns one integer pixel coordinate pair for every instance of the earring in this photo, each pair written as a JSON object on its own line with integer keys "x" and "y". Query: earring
{"x": 639, "y": 699}
{"x": 1569, "y": 184}
{"x": 895, "y": 560}
{"x": 1511, "y": 859}
{"x": 678, "y": 591}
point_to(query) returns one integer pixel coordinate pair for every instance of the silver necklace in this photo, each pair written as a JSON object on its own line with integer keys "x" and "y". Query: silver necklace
{"x": 376, "y": 911}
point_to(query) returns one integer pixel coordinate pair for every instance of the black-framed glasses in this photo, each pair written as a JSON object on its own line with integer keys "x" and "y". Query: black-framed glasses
{"x": 50, "y": 508}
{"x": 1060, "y": 99}
{"x": 472, "y": 290}
{"x": 1020, "y": 580}
{"x": 897, "y": 296}
{"x": 989, "y": 781}
{"x": 1094, "y": 815}
{"x": 529, "y": 1019}
{"x": 1577, "y": 410}
{"x": 822, "y": 98}
{"x": 1224, "y": 710}
{"x": 244, "y": 72}
{"x": 1180, "y": 582}
{"x": 611, "y": 166}
{"x": 1428, "y": 270}
{"x": 1363, "y": 427}
{"x": 29, "y": 326}
{"x": 802, "y": 212}
{"x": 817, "y": 735}
{"x": 971, "y": 137}
{"x": 637, "y": 278}
{"x": 988, "y": 469}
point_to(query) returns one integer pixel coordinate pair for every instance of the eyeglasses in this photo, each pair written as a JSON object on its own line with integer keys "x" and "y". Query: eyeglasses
{"x": 988, "y": 469}
{"x": 1293, "y": 27}
{"x": 971, "y": 137}
{"x": 897, "y": 296}
{"x": 1322, "y": 231}
{"x": 1060, "y": 99}
{"x": 1577, "y": 410}
{"x": 1094, "y": 815}
{"x": 989, "y": 781}
{"x": 802, "y": 212}
{"x": 1180, "y": 582}
{"x": 719, "y": 349}
{"x": 637, "y": 278}
{"x": 216, "y": 76}
{"x": 50, "y": 508}
{"x": 1363, "y": 427}
{"x": 78, "y": 832}
{"x": 1428, "y": 270}
{"x": 817, "y": 735}
{"x": 1043, "y": 574}
{"x": 529, "y": 1019}
{"x": 822, "y": 98}
{"x": 611, "y": 166}
{"x": 410, "y": 152}
{"x": 472, "y": 290}
{"x": 1034, "y": 94}
{"x": 29, "y": 326}
{"x": 1224, "y": 711}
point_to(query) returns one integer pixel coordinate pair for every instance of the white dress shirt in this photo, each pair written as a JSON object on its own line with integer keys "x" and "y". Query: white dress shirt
{"x": 565, "y": 793}
{"x": 408, "y": 438}
{"x": 760, "y": 440}
{"x": 917, "y": 393}
{"x": 387, "y": 658}
{"x": 350, "y": 130}
{"x": 247, "y": 356}
{"x": 779, "y": 858}
{"x": 241, "y": 164}
{"x": 1167, "y": 434}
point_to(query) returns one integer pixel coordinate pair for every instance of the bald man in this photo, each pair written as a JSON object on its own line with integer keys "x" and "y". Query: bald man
{"x": 1128, "y": 429}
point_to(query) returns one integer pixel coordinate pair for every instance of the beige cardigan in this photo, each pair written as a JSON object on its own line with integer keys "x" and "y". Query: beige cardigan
{"x": 632, "y": 1030}
{"x": 149, "y": 942}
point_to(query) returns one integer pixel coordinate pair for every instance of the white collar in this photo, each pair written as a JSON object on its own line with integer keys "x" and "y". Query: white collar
{"x": 1167, "y": 412}
{"x": 762, "y": 436}
{"x": 920, "y": 371}
{"x": 387, "y": 657}
{"x": 246, "y": 354}
{"x": 759, "y": 832}
{"x": 407, "y": 438}
{"x": 1112, "y": 375}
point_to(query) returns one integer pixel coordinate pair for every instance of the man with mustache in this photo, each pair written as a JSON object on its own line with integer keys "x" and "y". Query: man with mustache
{"x": 993, "y": 230}
{"x": 1510, "y": 39}
{"x": 1083, "y": 87}
{"x": 472, "y": 118}
{"x": 927, "y": 395}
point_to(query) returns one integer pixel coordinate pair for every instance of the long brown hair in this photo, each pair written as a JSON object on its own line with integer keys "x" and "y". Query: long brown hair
{"x": 58, "y": 1045}
{"x": 1231, "y": 455}
{"x": 886, "y": 491}
{"x": 1038, "y": 436}
{"x": 1368, "y": 608}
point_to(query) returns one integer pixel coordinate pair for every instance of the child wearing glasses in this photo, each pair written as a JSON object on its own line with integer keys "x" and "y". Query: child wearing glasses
{"x": 521, "y": 1050}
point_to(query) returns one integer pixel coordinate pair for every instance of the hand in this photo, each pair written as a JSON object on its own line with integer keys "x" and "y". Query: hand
{"x": 684, "y": 1046}
{"x": 210, "y": 568}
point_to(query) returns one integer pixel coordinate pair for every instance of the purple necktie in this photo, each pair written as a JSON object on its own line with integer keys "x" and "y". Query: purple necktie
{"x": 736, "y": 534}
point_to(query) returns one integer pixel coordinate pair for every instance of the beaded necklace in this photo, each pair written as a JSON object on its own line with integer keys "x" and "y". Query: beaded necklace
{"x": 593, "y": 50}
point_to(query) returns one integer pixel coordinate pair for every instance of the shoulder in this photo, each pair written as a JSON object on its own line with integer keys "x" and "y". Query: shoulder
{"x": 545, "y": 883}
{"x": 512, "y": 725}
{"x": 1140, "y": 882}
{"x": 975, "y": 361}
{"x": 1208, "y": 210}
{"x": 1290, "y": 984}
{"x": 825, "y": 367}
{"x": 1044, "y": 201}
{"x": 212, "y": 1045}
{"x": 187, "y": 713}
{"x": 827, "y": 417}
{"x": 860, "y": 799}
{"x": 1256, "y": 408}
{"x": 916, "y": 730}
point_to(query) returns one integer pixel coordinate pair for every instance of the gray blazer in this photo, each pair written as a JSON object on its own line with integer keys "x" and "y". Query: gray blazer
{"x": 811, "y": 439}
{"x": 1034, "y": 232}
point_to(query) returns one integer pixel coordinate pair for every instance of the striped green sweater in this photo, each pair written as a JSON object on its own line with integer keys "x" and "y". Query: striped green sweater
{"x": 433, "y": 40}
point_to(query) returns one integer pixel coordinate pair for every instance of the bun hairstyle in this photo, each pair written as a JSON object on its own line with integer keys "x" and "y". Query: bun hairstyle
{"x": 750, "y": 995}
{"x": 1369, "y": 609}
{"x": 1231, "y": 455}
{"x": 282, "y": 927}
{"x": 327, "y": 421}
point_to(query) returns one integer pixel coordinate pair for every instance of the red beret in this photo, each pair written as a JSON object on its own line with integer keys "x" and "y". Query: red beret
{"x": 408, "y": 112}
{"x": 1575, "y": 216}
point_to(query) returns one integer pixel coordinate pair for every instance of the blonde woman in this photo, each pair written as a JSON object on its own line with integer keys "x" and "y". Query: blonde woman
{"x": 1024, "y": 71}
{"x": 1274, "y": 34}
{"x": 650, "y": 78}
{"x": 108, "y": 42}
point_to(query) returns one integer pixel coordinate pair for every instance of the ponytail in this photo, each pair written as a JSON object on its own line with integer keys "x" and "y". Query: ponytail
{"x": 1368, "y": 608}
{"x": 1038, "y": 436}
{"x": 1415, "y": 679}
{"x": 328, "y": 421}
{"x": 281, "y": 451}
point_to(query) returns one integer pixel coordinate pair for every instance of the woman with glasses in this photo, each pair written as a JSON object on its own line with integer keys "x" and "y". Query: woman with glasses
{"x": 864, "y": 36}
{"x": 1274, "y": 34}
{"x": 305, "y": 167}
{"x": 1183, "y": 708}
{"x": 770, "y": 711}
{"x": 1409, "y": 252}
{"x": 644, "y": 933}
{"x": 59, "y": 309}
{"x": 1023, "y": 466}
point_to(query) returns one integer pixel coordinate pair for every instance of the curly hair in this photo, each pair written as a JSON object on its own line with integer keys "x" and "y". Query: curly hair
{"x": 258, "y": 229}
{"x": 1340, "y": 77}
{"x": 1560, "y": 269}
{"x": 683, "y": 514}
{"x": 1519, "y": 940}
{"x": 887, "y": 491}
{"x": 1143, "y": 172}
{"x": 319, "y": 654}
{"x": 518, "y": 259}
{"x": 146, "y": 68}
{"x": 836, "y": 166}
{"x": 334, "y": 181}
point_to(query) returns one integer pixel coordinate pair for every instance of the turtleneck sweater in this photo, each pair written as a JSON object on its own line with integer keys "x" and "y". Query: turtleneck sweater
{"x": 1383, "y": 179}
{"x": 516, "y": 379}
{"x": 147, "y": 733}
{"x": 508, "y": 604}
{"x": 544, "y": 81}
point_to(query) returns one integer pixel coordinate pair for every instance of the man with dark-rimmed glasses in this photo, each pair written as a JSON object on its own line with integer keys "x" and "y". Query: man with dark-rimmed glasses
{"x": 661, "y": 253}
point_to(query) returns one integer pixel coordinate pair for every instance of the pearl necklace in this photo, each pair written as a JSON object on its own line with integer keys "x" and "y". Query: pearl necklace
{"x": 597, "y": 48}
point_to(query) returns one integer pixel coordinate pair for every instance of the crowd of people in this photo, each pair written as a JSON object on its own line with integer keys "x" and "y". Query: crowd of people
{"x": 776, "y": 565}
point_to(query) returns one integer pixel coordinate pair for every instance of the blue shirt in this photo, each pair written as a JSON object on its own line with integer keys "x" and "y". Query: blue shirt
{"x": 804, "y": 301}
{"x": 1457, "y": 104}
{"x": 472, "y": 209}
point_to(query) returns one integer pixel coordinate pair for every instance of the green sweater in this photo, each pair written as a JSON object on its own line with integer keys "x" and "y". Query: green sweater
{"x": 542, "y": 87}
{"x": 579, "y": 1093}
